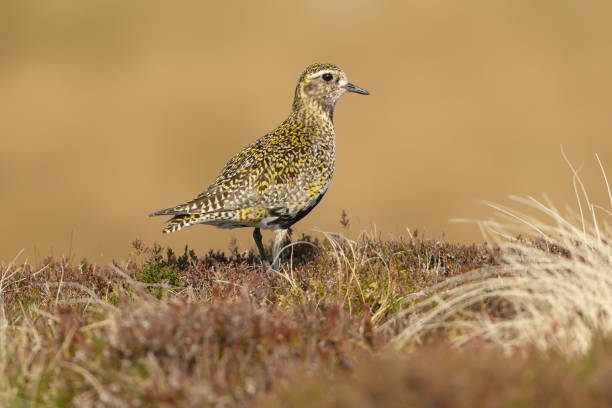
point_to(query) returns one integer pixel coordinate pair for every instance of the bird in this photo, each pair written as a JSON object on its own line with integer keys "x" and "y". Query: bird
{"x": 278, "y": 179}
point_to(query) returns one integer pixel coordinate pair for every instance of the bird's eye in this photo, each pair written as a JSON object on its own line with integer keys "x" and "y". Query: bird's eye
{"x": 327, "y": 77}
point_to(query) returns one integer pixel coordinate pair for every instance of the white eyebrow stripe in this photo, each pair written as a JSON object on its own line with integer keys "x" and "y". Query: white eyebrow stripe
{"x": 321, "y": 73}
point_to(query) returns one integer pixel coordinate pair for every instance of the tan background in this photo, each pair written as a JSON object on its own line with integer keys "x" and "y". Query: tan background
{"x": 110, "y": 109}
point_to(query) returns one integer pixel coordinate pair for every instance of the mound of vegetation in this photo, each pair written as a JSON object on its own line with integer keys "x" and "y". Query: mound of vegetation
{"x": 365, "y": 322}
{"x": 219, "y": 329}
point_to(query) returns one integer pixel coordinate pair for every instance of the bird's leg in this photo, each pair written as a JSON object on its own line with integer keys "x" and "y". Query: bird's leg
{"x": 278, "y": 240}
{"x": 260, "y": 247}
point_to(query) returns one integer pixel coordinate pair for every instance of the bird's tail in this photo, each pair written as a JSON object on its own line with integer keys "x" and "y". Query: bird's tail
{"x": 180, "y": 221}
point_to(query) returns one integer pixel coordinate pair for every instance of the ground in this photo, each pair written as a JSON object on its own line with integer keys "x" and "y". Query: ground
{"x": 331, "y": 328}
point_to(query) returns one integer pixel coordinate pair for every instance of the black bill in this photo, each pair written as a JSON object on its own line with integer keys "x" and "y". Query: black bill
{"x": 353, "y": 88}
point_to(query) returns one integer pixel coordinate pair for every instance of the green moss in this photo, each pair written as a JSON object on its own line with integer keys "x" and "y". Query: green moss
{"x": 153, "y": 273}
{"x": 156, "y": 274}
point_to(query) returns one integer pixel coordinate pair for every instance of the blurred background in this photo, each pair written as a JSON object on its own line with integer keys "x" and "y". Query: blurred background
{"x": 111, "y": 109}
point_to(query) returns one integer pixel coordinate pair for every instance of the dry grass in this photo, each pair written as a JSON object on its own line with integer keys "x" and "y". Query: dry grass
{"x": 553, "y": 289}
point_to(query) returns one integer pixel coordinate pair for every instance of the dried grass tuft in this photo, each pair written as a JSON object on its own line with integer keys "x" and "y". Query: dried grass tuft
{"x": 552, "y": 289}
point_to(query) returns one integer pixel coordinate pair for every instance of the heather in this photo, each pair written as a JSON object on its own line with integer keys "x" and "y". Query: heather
{"x": 523, "y": 320}
{"x": 165, "y": 329}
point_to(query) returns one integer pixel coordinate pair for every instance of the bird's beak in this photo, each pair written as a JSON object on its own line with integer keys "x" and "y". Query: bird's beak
{"x": 353, "y": 88}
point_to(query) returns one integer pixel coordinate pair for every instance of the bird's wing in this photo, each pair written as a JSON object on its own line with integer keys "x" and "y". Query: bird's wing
{"x": 245, "y": 178}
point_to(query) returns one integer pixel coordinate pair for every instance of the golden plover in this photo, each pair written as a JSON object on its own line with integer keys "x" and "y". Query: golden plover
{"x": 278, "y": 179}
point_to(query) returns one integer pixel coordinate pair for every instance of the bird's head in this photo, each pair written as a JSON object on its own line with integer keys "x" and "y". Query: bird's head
{"x": 321, "y": 85}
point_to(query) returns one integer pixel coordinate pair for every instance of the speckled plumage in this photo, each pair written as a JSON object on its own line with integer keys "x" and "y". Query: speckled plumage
{"x": 278, "y": 179}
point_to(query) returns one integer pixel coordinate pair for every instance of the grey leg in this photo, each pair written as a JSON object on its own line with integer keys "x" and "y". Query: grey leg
{"x": 262, "y": 252}
{"x": 278, "y": 240}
